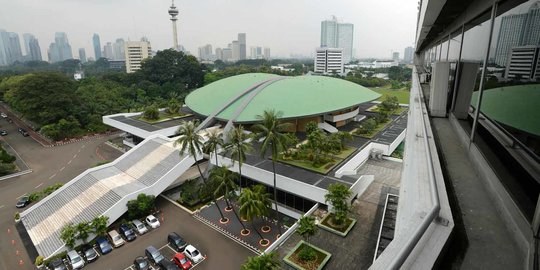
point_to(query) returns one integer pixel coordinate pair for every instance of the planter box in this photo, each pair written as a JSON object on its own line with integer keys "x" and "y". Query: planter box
{"x": 290, "y": 261}
{"x": 343, "y": 232}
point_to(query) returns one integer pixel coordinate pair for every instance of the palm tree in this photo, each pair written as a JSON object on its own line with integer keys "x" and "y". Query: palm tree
{"x": 266, "y": 261}
{"x": 215, "y": 140}
{"x": 254, "y": 203}
{"x": 271, "y": 131}
{"x": 225, "y": 181}
{"x": 191, "y": 143}
{"x": 67, "y": 234}
{"x": 306, "y": 227}
{"x": 83, "y": 230}
{"x": 100, "y": 225}
{"x": 238, "y": 147}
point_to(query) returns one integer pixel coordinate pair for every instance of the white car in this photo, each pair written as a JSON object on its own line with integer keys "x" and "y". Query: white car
{"x": 3, "y": 115}
{"x": 75, "y": 260}
{"x": 152, "y": 221}
{"x": 139, "y": 227}
{"x": 193, "y": 254}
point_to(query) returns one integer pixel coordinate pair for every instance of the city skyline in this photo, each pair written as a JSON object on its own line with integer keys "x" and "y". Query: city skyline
{"x": 298, "y": 35}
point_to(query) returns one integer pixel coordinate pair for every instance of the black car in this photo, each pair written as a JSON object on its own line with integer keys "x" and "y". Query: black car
{"x": 176, "y": 242}
{"x": 23, "y": 201}
{"x": 9, "y": 120}
{"x": 57, "y": 264}
{"x": 127, "y": 232}
{"x": 3, "y": 132}
{"x": 141, "y": 263}
{"x": 23, "y": 132}
{"x": 167, "y": 265}
{"x": 90, "y": 254}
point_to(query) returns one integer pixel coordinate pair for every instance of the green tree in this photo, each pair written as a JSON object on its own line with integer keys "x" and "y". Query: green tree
{"x": 191, "y": 143}
{"x": 68, "y": 235}
{"x": 254, "y": 203}
{"x": 151, "y": 113}
{"x": 173, "y": 66}
{"x": 83, "y": 230}
{"x": 213, "y": 143}
{"x": 99, "y": 224}
{"x": 306, "y": 229}
{"x": 142, "y": 206}
{"x": 367, "y": 126}
{"x": 337, "y": 196}
{"x": 389, "y": 104}
{"x": 226, "y": 185}
{"x": 290, "y": 141}
{"x": 266, "y": 261}
{"x": 271, "y": 130}
{"x": 237, "y": 148}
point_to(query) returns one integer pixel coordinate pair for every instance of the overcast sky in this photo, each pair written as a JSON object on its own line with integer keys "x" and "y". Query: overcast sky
{"x": 285, "y": 26}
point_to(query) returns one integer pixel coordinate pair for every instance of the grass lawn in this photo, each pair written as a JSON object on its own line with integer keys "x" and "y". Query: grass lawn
{"x": 163, "y": 116}
{"x": 345, "y": 152}
{"x": 401, "y": 94}
{"x": 375, "y": 108}
{"x": 372, "y": 134}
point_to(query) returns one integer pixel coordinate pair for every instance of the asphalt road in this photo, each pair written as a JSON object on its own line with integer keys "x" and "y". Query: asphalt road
{"x": 221, "y": 252}
{"x": 50, "y": 165}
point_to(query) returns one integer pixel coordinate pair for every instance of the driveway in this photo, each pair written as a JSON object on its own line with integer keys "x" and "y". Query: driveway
{"x": 221, "y": 252}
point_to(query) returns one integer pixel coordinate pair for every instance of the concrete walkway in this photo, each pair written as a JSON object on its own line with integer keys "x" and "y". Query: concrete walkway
{"x": 481, "y": 239}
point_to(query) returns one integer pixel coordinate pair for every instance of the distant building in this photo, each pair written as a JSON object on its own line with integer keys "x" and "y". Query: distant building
{"x": 60, "y": 49}
{"x": 226, "y": 54}
{"x": 241, "y": 46}
{"x": 118, "y": 50}
{"x": 15, "y": 47}
{"x": 523, "y": 63}
{"x": 517, "y": 30}
{"x": 395, "y": 56}
{"x": 338, "y": 35}
{"x": 117, "y": 65}
{"x": 235, "y": 50}
{"x": 267, "y": 53}
{"x": 82, "y": 55}
{"x": 4, "y": 48}
{"x": 256, "y": 52}
{"x": 31, "y": 46}
{"x": 136, "y": 51}
{"x": 108, "y": 51}
{"x": 205, "y": 52}
{"x": 97, "y": 46}
{"x": 219, "y": 54}
{"x": 329, "y": 61}
{"x": 408, "y": 55}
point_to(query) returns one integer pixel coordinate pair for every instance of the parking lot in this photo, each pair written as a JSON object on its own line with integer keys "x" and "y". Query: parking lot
{"x": 219, "y": 251}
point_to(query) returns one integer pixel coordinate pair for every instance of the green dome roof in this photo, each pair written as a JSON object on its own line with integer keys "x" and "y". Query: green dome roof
{"x": 294, "y": 96}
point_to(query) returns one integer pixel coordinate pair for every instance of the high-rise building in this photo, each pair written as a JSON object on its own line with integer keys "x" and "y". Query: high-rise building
{"x": 338, "y": 35}
{"x": 256, "y": 52}
{"x": 395, "y": 56}
{"x": 35, "y": 50}
{"x": 226, "y": 54}
{"x": 523, "y": 63}
{"x": 267, "y": 53}
{"x": 173, "y": 11}
{"x": 4, "y": 48}
{"x": 108, "y": 51}
{"x": 118, "y": 50}
{"x": 26, "y": 39}
{"x": 241, "y": 46}
{"x": 205, "y": 52}
{"x": 517, "y": 30}
{"x": 408, "y": 55}
{"x": 15, "y": 46}
{"x": 97, "y": 46}
{"x": 329, "y": 60}
{"x": 136, "y": 51}
{"x": 82, "y": 55}
{"x": 60, "y": 49}
{"x": 219, "y": 54}
{"x": 235, "y": 48}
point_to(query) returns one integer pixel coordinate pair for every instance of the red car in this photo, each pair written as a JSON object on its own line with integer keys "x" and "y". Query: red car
{"x": 181, "y": 260}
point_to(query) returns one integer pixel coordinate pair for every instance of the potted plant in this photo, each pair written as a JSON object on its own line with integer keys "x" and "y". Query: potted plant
{"x": 39, "y": 261}
{"x": 17, "y": 217}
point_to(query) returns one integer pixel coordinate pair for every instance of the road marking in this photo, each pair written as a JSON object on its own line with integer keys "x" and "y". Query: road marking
{"x": 61, "y": 169}
{"x": 2, "y": 206}
{"x": 75, "y": 156}
{"x": 38, "y": 185}
{"x": 79, "y": 151}
{"x": 83, "y": 146}
{"x": 21, "y": 196}
{"x": 51, "y": 177}
{"x": 69, "y": 162}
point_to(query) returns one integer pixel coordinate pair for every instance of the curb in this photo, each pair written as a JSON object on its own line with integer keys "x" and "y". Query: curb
{"x": 15, "y": 174}
{"x": 101, "y": 135}
{"x": 177, "y": 204}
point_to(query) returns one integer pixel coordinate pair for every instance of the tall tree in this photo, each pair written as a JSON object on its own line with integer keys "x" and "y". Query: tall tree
{"x": 213, "y": 143}
{"x": 237, "y": 148}
{"x": 266, "y": 261}
{"x": 83, "y": 230}
{"x": 337, "y": 196}
{"x": 271, "y": 130}
{"x": 306, "y": 227}
{"x": 100, "y": 225}
{"x": 175, "y": 67}
{"x": 226, "y": 185}
{"x": 254, "y": 204}
{"x": 191, "y": 143}
{"x": 68, "y": 235}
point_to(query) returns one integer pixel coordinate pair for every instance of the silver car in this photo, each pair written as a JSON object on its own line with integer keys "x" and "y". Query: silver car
{"x": 139, "y": 227}
{"x": 75, "y": 259}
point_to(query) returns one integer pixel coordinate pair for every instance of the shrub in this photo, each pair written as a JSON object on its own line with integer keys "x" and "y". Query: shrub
{"x": 307, "y": 254}
{"x": 17, "y": 216}
{"x": 142, "y": 206}
{"x": 367, "y": 126}
{"x": 151, "y": 113}
{"x": 39, "y": 260}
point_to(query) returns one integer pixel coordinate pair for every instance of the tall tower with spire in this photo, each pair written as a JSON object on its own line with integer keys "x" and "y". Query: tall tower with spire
{"x": 174, "y": 12}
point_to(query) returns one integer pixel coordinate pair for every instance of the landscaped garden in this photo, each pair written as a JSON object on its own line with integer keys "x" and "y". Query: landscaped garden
{"x": 153, "y": 115}
{"x": 370, "y": 126}
{"x": 402, "y": 94}
{"x": 338, "y": 221}
{"x": 7, "y": 165}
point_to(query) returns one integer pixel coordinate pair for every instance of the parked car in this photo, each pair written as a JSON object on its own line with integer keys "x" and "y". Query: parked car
{"x": 127, "y": 232}
{"x": 153, "y": 255}
{"x": 9, "y": 120}
{"x": 167, "y": 265}
{"x": 116, "y": 239}
{"x": 23, "y": 132}
{"x": 141, "y": 263}
{"x": 3, "y": 115}
{"x": 176, "y": 242}
{"x": 89, "y": 254}
{"x": 57, "y": 264}
{"x": 152, "y": 221}
{"x": 23, "y": 201}
{"x": 181, "y": 261}
{"x": 103, "y": 245}
{"x": 3, "y": 132}
{"x": 193, "y": 254}
{"x": 75, "y": 260}
{"x": 139, "y": 227}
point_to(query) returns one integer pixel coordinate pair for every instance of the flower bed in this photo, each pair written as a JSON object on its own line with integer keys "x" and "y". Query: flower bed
{"x": 343, "y": 229}
{"x": 292, "y": 258}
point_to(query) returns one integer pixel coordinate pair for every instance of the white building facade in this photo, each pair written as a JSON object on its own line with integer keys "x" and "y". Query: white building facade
{"x": 329, "y": 61}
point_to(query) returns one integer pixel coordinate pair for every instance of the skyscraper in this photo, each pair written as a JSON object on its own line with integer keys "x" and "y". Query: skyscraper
{"x": 5, "y": 51}
{"x": 517, "y": 30}
{"x": 235, "y": 48}
{"x": 408, "y": 55}
{"x": 15, "y": 46}
{"x": 267, "y": 53}
{"x": 97, "y": 46}
{"x": 242, "y": 46}
{"x": 338, "y": 35}
{"x": 118, "y": 49}
{"x": 108, "y": 51}
{"x": 174, "y": 12}
{"x": 60, "y": 49}
{"x": 26, "y": 39}
{"x": 136, "y": 51}
{"x": 395, "y": 56}
{"x": 205, "y": 52}
{"x": 82, "y": 55}
{"x": 35, "y": 50}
